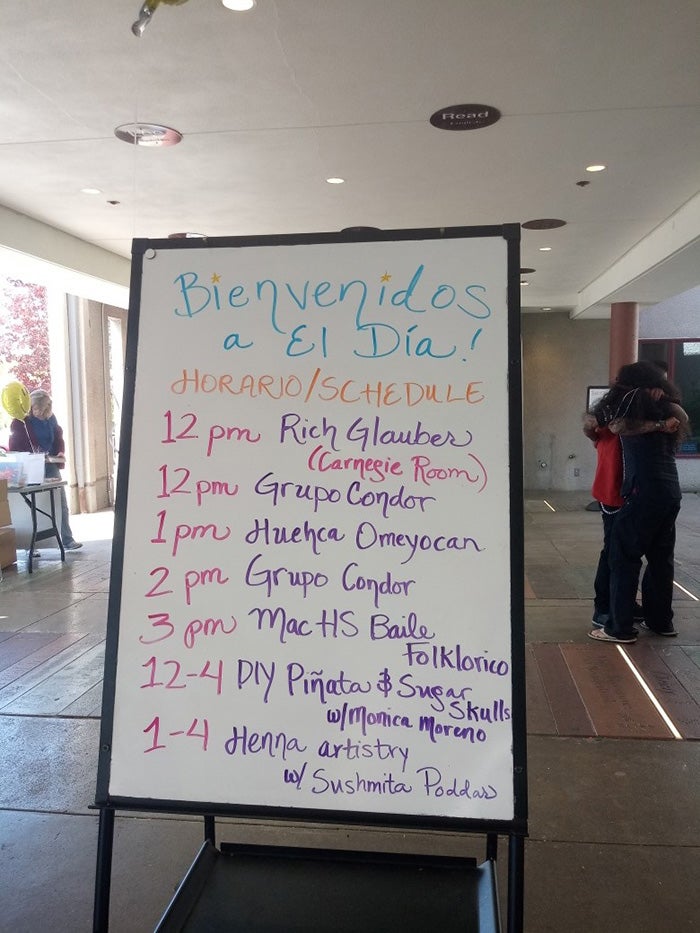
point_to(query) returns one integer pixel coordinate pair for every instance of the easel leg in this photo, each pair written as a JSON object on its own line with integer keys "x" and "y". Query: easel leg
{"x": 516, "y": 883}
{"x": 103, "y": 874}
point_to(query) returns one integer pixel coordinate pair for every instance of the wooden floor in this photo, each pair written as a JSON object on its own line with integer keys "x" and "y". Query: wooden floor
{"x": 53, "y": 626}
{"x": 577, "y": 690}
{"x": 45, "y": 674}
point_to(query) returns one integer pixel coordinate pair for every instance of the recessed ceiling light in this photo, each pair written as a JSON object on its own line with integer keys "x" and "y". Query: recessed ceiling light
{"x": 186, "y": 236}
{"x": 335, "y": 181}
{"x": 240, "y": 6}
{"x": 524, "y": 283}
{"x": 595, "y": 168}
{"x": 546, "y": 309}
{"x": 545, "y": 249}
{"x": 152, "y": 135}
{"x": 544, "y": 223}
{"x": 90, "y": 191}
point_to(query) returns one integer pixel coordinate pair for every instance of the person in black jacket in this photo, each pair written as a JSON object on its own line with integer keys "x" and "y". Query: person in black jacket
{"x": 650, "y": 425}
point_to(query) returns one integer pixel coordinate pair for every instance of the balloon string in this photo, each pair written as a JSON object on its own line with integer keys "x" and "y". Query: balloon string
{"x": 29, "y": 438}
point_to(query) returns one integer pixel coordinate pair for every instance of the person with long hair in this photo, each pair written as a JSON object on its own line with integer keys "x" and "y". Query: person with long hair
{"x": 607, "y": 491}
{"x": 40, "y": 432}
{"x": 643, "y": 408}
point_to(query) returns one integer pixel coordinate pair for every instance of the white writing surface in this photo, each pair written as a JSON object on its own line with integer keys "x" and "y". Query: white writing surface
{"x": 315, "y": 603}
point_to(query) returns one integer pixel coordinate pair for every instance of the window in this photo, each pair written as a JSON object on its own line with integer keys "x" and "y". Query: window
{"x": 682, "y": 359}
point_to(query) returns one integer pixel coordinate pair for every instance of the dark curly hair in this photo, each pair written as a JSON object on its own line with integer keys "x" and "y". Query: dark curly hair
{"x": 628, "y": 399}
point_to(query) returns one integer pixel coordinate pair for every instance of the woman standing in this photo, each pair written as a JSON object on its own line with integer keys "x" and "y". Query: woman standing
{"x": 40, "y": 432}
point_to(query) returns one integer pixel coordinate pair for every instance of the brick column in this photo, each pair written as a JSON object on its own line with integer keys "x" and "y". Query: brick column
{"x": 624, "y": 333}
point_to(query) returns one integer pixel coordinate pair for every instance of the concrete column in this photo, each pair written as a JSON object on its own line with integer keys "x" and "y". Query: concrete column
{"x": 92, "y": 454}
{"x": 624, "y": 334}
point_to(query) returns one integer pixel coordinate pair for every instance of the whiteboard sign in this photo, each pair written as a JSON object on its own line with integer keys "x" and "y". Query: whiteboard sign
{"x": 312, "y": 600}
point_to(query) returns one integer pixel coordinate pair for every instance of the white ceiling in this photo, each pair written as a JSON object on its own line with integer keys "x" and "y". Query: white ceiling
{"x": 274, "y": 101}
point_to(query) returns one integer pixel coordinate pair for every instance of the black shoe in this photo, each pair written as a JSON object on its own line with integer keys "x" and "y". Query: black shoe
{"x": 667, "y": 633}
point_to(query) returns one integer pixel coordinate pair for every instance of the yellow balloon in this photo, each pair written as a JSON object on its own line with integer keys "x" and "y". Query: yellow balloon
{"x": 16, "y": 401}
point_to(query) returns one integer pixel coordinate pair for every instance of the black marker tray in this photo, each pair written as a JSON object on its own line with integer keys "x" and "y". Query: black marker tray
{"x": 270, "y": 889}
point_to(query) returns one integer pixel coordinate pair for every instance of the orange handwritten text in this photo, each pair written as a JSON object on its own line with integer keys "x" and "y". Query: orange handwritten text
{"x": 326, "y": 387}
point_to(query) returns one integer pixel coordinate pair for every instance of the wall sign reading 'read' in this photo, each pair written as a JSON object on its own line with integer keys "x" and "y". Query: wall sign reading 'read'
{"x": 315, "y": 599}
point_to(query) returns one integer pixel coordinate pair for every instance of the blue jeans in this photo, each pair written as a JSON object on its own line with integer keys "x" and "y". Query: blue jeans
{"x": 52, "y": 471}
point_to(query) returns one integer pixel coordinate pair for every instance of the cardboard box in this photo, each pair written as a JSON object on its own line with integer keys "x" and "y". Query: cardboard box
{"x": 3, "y": 491}
{"x": 5, "y": 517}
{"x": 8, "y": 547}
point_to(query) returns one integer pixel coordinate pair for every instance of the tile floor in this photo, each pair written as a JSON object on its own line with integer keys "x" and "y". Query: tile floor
{"x": 614, "y": 797}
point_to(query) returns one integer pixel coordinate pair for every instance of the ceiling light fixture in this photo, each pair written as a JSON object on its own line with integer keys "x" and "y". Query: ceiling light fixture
{"x": 186, "y": 236}
{"x": 543, "y": 223}
{"x": 335, "y": 181}
{"x": 151, "y": 135}
{"x": 524, "y": 283}
{"x": 239, "y": 6}
{"x": 90, "y": 191}
{"x": 546, "y": 309}
{"x": 545, "y": 249}
{"x": 596, "y": 168}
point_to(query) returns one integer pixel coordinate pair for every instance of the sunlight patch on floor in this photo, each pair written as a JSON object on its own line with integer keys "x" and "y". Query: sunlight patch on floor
{"x": 94, "y": 526}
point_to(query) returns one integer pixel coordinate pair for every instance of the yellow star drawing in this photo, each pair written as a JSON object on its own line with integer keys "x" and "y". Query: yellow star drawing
{"x": 386, "y": 277}
{"x": 215, "y": 278}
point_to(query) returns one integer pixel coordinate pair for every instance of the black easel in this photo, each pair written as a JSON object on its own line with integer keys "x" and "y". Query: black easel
{"x": 369, "y": 890}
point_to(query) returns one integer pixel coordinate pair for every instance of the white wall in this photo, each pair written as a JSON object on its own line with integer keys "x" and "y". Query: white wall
{"x": 35, "y": 252}
{"x": 561, "y": 358}
{"x": 672, "y": 319}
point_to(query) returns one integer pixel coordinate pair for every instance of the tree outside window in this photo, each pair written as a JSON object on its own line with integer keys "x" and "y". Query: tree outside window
{"x": 24, "y": 338}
